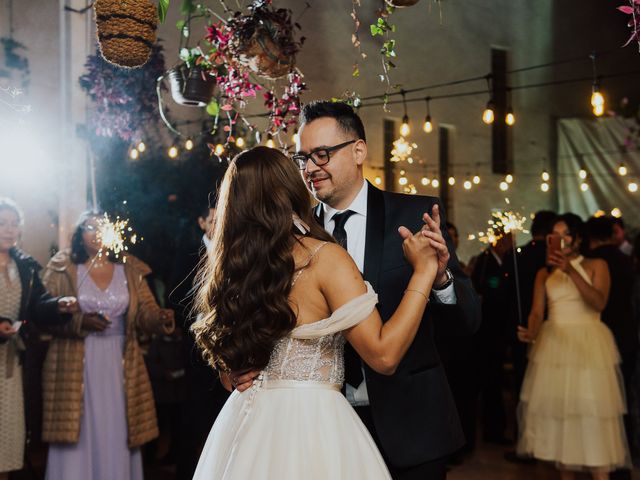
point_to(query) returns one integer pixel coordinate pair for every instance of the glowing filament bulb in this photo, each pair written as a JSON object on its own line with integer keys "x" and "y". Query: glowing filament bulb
{"x": 428, "y": 126}
{"x": 544, "y": 186}
{"x": 240, "y": 142}
{"x": 584, "y": 186}
{"x": 504, "y": 186}
{"x": 476, "y": 179}
{"x": 467, "y": 185}
{"x": 488, "y": 114}
{"x": 451, "y": 181}
{"x": 141, "y": 147}
{"x": 622, "y": 170}
{"x": 435, "y": 183}
{"x": 545, "y": 176}
{"x": 188, "y": 145}
{"x": 134, "y": 154}
{"x": 173, "y": 151}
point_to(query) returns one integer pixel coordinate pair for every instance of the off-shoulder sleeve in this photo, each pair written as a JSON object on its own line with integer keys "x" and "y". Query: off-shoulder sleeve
{"x": 346, "y": 316}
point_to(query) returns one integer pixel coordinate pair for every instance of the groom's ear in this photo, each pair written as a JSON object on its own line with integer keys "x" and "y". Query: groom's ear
{"x": 360, "y": 151}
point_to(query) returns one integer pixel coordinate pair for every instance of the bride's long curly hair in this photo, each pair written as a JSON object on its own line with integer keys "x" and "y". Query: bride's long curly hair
{"x": 244, "y": 285}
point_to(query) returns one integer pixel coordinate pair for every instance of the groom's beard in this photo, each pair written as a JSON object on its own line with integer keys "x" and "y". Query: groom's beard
{"x": 320, "y": 185}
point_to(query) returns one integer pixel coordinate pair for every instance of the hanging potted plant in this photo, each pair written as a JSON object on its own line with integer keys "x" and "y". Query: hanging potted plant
{"x": 191, "y": 82}
{"x": 263, "y": 40}
{"x": 126, "y": 31}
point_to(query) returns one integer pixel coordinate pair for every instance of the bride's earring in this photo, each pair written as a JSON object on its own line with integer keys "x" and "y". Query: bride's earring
{"x": 302, "y": 227}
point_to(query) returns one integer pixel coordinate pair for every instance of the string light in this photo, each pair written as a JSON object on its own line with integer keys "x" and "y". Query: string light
{"x": 632, "y": 187}
{"x": 467, "y": 184}
{"x": 597, "y": 100}
{"x": 622, "y": 170}
{"x": 584, "y": 186}
{"x": 425, "y": 181}
{"x": 616, "y": 212}
{"x": 544, "y": 186}
{"x": 377, "y": 181}
{"x": 508, "y": 178}
{"x": 451, "y": 181}
{"x": 476, "y": 179}
{"x": 599, "y": 213}
{"x": 504, "y": 186}
{"x": 488, "y": 114}
{"x": 435, "y": 183}
{"x": 141, "y": 147}
{"x": 403, "y": 180}
{"x": 239, "y": 142}
{"x": 404, "y": 128}
{"x": 271, "y": 143}
{"x": 545, "y": 176}
{"x": 582, "y": 173}
{"x": 219, "y": 149}
{"x": 173, "y": 151}
{"x": 510, "y": 118}
{"x": 134, "y": 154}
{"x": 188, "y": 145}
{"x": 428, "y": 126}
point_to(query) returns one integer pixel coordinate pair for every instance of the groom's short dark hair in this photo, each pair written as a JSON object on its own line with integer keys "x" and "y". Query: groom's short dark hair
{"x": 348, "y": 120}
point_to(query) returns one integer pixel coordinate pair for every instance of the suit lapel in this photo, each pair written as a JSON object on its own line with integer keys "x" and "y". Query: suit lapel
{"x": 374, "y": 242}
{"x": 318, "y": 214}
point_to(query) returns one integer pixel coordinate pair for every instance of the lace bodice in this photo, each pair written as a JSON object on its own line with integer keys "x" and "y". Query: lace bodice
{"x": 315, "y": 351}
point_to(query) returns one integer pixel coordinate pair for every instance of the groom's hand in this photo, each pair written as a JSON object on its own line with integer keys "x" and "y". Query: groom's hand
{"x": 243, "y": 380}
{"x": 432, "y": 231}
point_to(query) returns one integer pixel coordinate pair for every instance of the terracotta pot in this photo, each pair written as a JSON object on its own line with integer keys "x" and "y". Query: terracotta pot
{"x": 262, "y": 55}
{"x": 126, "y": 30}
{"x": 191, "y": 86}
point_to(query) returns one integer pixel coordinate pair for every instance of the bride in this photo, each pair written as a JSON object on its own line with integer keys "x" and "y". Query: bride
{"x": 277, "y": 295}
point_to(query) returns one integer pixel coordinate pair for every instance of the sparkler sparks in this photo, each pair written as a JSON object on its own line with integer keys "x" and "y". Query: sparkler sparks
{"x": 115, "y": 235}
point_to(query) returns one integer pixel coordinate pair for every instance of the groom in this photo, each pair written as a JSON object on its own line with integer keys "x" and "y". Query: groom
{"x": 410, "y": 414}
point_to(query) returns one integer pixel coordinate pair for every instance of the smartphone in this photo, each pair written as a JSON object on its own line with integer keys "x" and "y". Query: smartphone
{"x": 555, "y": 244}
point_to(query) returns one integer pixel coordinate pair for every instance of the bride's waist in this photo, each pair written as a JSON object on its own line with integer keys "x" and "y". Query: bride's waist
{"x": 273, "y": 383}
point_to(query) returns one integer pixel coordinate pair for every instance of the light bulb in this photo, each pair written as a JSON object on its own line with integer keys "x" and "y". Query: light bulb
{"x": 545, "y": 176}
{"x": 476, "y": 179}
{"x": 435, "y": 183}
{"x": 134, "y": 154}
{"x": 584, "y": 186}
{"x": 488, "y": 115}
{"x": 622, "y": 170}
{"x": 616, "y": 212}
{"x": 141, "y": 147}
{"x": 544, "y": 186}
{"x": 403, "y": 180}
{"x": 510, "y": 118}
{"x": 188, "y": 145}
{"x": 428, "y": 126}
{"x": 173, "y": 151}
{"x": 508, "y": 178}
{"x": 596, "y": 98}
{"x": 271, "y": 143}
{"x": 598, "y": 110}
{"x": 378, "y": 181}
{"x": 425, "y": 181}
{"x": 504, "y": 186}
{"x": 467, "y": 184}
{"x": 240, "y": 142}
{"x": 633, "y": 187}
{"x": 404, "y": 128}
{"x": 582, "y": 173}
{"x": 219, "y": 149}
{"x": 451, "y": 181}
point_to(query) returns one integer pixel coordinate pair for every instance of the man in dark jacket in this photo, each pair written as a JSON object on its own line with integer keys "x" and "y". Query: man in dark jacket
{"x": 618, "y": 313}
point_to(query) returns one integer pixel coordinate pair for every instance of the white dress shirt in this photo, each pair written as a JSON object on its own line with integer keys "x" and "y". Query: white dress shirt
{"x": 356, "y": 228}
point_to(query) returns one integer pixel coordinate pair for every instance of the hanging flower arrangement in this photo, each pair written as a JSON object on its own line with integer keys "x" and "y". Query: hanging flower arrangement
{"x": 124, "y": 103}
{"x": 632, "y": 9}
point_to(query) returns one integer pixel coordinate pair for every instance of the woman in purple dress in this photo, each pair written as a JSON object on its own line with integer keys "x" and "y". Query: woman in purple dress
{"x": 98, "y": 402}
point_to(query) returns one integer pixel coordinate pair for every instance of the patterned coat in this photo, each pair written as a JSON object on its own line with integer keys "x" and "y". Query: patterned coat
{"x": 63, "y": 369}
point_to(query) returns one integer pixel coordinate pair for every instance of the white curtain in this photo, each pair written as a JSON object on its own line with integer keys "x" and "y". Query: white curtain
{"x": 597, "y": 145}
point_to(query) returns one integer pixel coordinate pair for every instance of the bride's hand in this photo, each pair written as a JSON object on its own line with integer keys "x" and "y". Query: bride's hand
{"x": 243, "y": 380}
{"x": 418, "y": 251}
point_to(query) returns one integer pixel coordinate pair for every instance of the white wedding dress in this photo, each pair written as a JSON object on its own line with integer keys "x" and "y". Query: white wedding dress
{"x": 294, "y": 423}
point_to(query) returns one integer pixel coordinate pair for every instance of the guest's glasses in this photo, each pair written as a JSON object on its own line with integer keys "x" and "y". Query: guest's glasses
{"x": 319, "y": 156}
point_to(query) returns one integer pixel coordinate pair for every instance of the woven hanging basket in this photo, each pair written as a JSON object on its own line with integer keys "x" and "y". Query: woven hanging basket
{"x": 190, "y": 86}
{"x": 126, "y": 30}
{"x": 262, "y": 55}
{"x": 401, "y": 3}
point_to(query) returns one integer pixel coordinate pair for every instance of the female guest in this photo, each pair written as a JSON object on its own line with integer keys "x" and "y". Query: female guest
{"x": 98, "y": 403}
{"x": 22, "y": 298}
{"x": 572, "y": 398}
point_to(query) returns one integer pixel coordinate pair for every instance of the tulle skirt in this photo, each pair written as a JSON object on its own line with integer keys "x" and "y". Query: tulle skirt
{"x": 289, "y": 430}
{"x": 572, "y": 399}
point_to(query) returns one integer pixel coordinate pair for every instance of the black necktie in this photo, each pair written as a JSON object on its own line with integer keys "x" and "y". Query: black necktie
{"x": 352, "y": 363}
{"x": 339, "y": 233}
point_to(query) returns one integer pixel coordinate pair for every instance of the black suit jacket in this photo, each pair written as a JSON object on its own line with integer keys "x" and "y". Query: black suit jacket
{"x": 413, "y": 410}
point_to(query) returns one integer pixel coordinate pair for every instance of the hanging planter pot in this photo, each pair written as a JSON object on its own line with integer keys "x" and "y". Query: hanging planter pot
{"x": 401, "y": 3}
{"x": 126, "y": 30}
{"x": 263, "y": 41}
{"x": 191, "y": 86}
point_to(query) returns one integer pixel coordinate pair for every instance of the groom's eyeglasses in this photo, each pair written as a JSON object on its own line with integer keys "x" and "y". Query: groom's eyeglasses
{"x": 319, "y": 156}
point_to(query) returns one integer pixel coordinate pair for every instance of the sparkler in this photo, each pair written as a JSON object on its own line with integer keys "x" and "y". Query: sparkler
{"x": 114, "y": 237}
